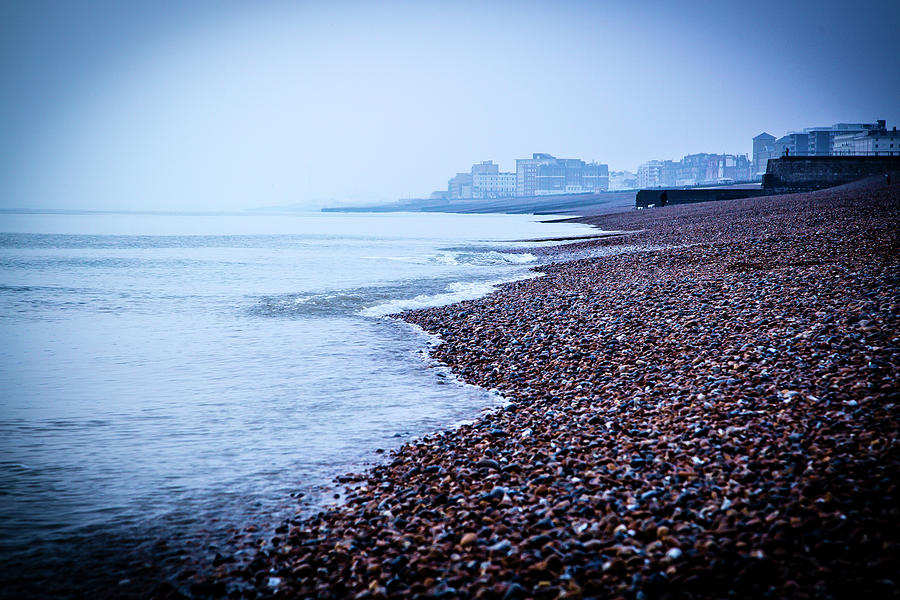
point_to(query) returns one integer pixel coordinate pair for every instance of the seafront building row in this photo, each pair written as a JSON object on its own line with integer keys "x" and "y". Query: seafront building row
{"x": 840, "y": 139}
{"x": 540, "y": 175}
{"x": 694, "y": 169}
{"x": 545, "y": 175}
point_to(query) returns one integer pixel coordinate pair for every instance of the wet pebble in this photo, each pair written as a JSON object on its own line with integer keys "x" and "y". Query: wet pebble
{"x": 709, "y": 410}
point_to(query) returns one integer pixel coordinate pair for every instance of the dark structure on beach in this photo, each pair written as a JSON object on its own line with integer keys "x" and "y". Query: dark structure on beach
{"x": 785, "y": 175}
{"x": 648, "y": 198}
{"x": 790, "y": 174}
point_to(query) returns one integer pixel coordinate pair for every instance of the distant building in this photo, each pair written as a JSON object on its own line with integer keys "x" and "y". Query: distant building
{"x": 821, "y": 139}
{"x": 460, "y": 186}
{"x": 657, "y": 173}
{"x": 733, "y": 167}
{"x": 794, "y": 144}
{"x": 485, "y": 167}
{"x": 544, "y": 175}
{"x": 876, "y": 142}
{"x": 493, "y": 185}
{"x": 695, "y": 169}
{"x": 763, "y": 150}
{"x": 484, "y": 180}
{"x": 594, "y": 177}
{"x": 812, "y": 141}
{"x": 650, "y": 174}
{"x": 622, "y": 180}
{"x": 489, "y": 182}
{"x": 527, "y": 170}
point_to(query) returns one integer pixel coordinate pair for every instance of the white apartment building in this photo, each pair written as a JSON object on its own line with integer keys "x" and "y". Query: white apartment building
{"x": 874, "y": 142}
{"x": 484, "y": 180}
{"x": 655, "y": 173}
{"x": 493, "y": 185}
{"x": 546, "y": 175}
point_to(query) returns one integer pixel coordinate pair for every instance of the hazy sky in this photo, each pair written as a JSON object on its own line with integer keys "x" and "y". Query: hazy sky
{"x": 219, "y": 105}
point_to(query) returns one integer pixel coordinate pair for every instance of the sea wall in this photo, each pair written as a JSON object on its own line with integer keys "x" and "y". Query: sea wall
{"x": 806, "y": 173}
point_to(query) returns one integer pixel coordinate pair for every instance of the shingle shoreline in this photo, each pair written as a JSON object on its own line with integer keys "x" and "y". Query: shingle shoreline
{"x": 717, "y": 418}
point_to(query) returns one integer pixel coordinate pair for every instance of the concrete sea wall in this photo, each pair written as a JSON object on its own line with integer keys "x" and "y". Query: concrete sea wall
{"x": 806, "y": 173}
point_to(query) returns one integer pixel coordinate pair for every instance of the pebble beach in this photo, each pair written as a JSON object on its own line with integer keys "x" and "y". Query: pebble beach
{"x": 705, "y": 406}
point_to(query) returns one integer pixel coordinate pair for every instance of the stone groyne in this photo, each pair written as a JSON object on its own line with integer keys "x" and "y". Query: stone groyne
{"x": 654, "y": 197}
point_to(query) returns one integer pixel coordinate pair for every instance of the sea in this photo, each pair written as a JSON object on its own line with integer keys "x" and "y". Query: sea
{"x": 172, "y": 383}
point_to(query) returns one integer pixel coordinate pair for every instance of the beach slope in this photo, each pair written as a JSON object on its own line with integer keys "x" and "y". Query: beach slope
{"x": 709, "y": 410}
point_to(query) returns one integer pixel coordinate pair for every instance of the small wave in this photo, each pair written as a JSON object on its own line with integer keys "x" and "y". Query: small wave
{"x": 378, "y": 301}
{"x": 518, "y": 259}
{"x": 339, "y": 302}
{"x": 491, "y": 257}
{"x": 455, "y": 292}
{"x": 464, "y": 257}
{"x": 416, "y": 260}
{"x": 13, "y": 466}
{"x": 302, "y": 305}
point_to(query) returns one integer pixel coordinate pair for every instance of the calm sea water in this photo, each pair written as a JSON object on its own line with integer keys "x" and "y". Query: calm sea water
{"x": 166, "y": 380}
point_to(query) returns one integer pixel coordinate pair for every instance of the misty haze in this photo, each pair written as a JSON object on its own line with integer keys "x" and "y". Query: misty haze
{"x": 457, "y": 300}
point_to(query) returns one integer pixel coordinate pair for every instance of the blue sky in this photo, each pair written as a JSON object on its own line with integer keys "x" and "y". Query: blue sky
{"x": 222, "y": 105}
